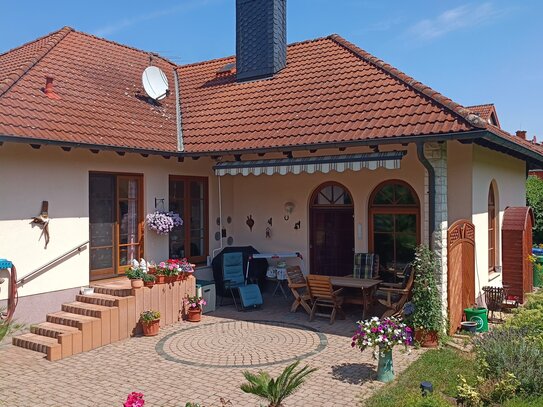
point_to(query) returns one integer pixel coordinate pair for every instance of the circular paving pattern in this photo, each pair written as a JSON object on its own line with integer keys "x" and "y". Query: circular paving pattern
{"x": 241, "y": 344}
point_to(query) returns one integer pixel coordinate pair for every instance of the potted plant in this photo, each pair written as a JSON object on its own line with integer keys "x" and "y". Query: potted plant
{"x": 150, "y": 321}
{"x": 424, "y": 311}
{"x": 163, "y": 222}
{"x": 194, "y": 308}
{"x": 135, "y": 275}
{"x": 149, "y": 280}
{"x": 382, "y": 335}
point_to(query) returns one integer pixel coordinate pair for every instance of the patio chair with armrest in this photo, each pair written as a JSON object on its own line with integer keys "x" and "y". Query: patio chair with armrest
{"x": 394, "y": 296}
{"x": 298, "y": 286}
{"x": 366, "y": 265}
{"x": 322, "y": 294}
{"x": 234, "y": 279}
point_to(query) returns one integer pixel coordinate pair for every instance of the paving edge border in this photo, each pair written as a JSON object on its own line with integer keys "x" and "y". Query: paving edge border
{"x": 159, "y": 347}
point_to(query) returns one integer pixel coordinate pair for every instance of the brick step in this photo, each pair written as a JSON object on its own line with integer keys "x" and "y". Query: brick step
{"x": 114, "y": 291}
{"x": 109, "y": 317}
{"x": 99, "y": 299}
{"x": 90, "y": 327}
{"x": 70, "y": 338}
{"x": 126, "y": 306}
{"x": 39, "y": 343}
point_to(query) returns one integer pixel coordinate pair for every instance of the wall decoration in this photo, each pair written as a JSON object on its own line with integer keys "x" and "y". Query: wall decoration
{"x": 229, "y": 219}
{"x": 270, "y": 221}
{"x": 230, "y": 241}
{"x": 250, "y": 222}
{"x": 218, "y": 221}
{"x": 268, "y": 233}
{"x": 42, "y": 221}
{"x": 289, "y": 208}
{"x": 297, "y": 225}
{"x": 223, "y": 232}
{"x": 217, "y": 236}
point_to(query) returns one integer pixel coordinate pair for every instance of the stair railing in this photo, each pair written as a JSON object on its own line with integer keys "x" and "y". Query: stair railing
{"x": 30, "y": 276}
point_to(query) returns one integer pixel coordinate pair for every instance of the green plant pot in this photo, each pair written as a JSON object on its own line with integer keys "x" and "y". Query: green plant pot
{"x": 385, "y": 367}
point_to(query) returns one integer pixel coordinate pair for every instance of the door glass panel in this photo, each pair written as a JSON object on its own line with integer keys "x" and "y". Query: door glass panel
{"x": 177, "y": 205}
{"x": 101, "y": 221}
{"x": 128, "y": 212}
{"x": 383, "y": 223}
{"x": 384, "y": 246}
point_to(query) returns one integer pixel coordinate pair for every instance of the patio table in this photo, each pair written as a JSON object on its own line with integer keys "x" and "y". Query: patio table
{"x": 367, "y": 287}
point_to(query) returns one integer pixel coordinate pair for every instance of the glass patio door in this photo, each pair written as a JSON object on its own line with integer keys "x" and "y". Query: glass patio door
{"x": 116, "y": 223}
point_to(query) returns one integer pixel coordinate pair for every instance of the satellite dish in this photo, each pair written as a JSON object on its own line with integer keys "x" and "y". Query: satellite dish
{"x": 155, "y": 83}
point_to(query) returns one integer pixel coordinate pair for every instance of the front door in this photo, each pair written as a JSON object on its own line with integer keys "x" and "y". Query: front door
{"x": 331, "y": 231}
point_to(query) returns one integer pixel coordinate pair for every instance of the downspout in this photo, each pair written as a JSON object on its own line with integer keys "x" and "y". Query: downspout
{"x": 180, "y": 146}
{"x": 431, "y": 192}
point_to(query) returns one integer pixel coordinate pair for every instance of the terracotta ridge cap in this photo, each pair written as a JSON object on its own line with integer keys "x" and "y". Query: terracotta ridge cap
{"x": 154, "y": 54}
{"x": 481, "y": 105}
{"x": 458, "y": 110}
{"x": 14, "y": 78}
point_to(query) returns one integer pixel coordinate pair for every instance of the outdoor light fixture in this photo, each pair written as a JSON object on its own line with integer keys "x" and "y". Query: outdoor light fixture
{"x": 426, "y": 388}
{"x": 289, "y": 208}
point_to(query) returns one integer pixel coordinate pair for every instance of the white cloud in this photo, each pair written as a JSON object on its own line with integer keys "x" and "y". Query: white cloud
{"x": 126, "y": 22}
{"x": 455, "y": 19}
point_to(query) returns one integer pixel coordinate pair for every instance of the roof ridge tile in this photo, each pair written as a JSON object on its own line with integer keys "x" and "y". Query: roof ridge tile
{"x": 455, "y": 108}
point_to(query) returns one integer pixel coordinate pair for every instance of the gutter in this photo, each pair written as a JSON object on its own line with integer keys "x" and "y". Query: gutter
{"x": 431, "y": 192}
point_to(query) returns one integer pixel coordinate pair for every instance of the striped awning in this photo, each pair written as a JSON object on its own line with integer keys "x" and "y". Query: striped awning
{"x": 339, "y": 163}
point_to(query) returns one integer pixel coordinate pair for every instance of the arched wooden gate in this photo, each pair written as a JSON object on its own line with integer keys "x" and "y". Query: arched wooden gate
{"x": 461, "y": 270}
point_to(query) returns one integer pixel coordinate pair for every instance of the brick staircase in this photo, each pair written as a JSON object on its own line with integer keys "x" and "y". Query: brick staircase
{"x": 109, "y": 315}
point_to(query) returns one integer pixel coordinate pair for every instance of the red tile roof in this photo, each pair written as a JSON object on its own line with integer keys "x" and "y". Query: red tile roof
{"x": 101, "y": 97}
{"x": 485, "y": 112}
{"x": 330, "y": 92}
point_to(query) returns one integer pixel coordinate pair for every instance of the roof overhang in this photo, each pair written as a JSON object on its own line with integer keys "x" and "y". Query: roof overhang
{"x": 323, "y": 164}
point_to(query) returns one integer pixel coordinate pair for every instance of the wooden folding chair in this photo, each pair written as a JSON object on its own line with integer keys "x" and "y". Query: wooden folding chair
{"x": 323, "y": 295}
{"x": 396, "y": 295}
{"x": 298, "y": 286}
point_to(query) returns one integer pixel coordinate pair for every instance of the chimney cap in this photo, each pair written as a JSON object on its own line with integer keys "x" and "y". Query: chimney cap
{"x": 521, "y": 134}
{"x": 49, "y": 88}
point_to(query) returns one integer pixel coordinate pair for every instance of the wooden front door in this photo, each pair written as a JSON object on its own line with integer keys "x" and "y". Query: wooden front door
{"x": 461, "y": 270}
{"x": 331, "y": 231}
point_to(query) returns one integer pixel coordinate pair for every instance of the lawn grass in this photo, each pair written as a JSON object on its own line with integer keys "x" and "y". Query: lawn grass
{"x": 441, "y": 367}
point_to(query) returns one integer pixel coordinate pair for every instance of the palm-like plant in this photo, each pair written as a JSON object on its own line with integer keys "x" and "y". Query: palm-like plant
{"x": 276, "y": 390}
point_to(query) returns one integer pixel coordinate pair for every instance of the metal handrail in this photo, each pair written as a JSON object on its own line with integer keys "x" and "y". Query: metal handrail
{"x": 35, "y": 273}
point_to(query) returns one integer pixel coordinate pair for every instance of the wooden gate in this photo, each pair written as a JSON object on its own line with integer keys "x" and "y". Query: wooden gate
{"x": 461, "y": 270}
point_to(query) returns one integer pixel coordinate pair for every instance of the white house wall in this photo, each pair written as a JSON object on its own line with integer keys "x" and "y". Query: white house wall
{"x": 29, "y": 176}
{"x": 509, "y": 175}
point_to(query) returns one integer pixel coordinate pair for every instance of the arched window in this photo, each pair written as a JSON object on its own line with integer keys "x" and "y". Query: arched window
{"x": 492, "y": 229}
{"x": 332, "y": 195}
{"x": 394, "y": 226}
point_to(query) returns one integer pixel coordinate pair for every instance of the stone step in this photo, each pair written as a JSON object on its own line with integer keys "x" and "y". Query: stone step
{"x": 126, "y": 306}
{"x": 99, "y": 299}
{"x": 115, "y": 291}
{"x": 109, "y": 317}
{"x": 90, "y": 327}
{"x": 39, "y": 343}
{"x": 70, "y": 338}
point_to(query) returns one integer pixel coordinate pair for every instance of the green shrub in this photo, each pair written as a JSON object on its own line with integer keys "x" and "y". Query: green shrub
{"x": 511, "y": 350}
{"x": 534, "y": 198}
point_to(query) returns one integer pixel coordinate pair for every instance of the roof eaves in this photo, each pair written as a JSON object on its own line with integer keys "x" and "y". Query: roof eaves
{"x": 494, "y": 136}
{"x": 458, "y": 110}
{"x": 55, "y": 39}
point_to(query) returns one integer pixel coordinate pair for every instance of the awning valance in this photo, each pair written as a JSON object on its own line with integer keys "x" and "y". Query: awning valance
{"x": 339, "y": 163}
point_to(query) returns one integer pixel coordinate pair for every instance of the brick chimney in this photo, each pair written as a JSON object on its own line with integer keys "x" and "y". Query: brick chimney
{"x": 521, "y": 134}
{"x": 261, "y": 38}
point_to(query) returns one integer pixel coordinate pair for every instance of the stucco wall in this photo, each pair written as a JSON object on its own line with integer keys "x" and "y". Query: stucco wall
{"x": 29, "y": 176}
{"x": 264, "y": 196}
{"x": 459, "y": 181}
{"x": 509, "y": 176}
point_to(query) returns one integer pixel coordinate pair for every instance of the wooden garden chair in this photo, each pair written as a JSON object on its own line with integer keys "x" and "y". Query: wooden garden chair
{"x": 394, "y": 296}
{"x": 322, "y": 294}
{"x": 298, "y": 286}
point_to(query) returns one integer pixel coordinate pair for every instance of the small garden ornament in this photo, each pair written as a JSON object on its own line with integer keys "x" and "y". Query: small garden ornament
{"x": 382, "y": 335}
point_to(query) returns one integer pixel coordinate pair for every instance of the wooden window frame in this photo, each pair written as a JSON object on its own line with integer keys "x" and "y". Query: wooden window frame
{"x": 186, "y": 215}
{"x": 317, "y": 191}
{"x": 117, "y": 268}
{"x": 492, "y": 229}
{"x": 384, "y": 209}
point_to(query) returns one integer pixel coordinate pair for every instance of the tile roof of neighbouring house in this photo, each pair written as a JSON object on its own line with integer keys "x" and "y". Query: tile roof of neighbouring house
{"x": 330, "y": 92}
{"x": 486, "y": 112}
{"x": 102, "y": 101}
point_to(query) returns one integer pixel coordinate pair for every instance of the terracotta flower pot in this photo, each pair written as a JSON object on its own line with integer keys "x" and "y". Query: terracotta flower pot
{"x": 426, "y": 339}
{"x": 181, "y": 277}
{"x": 194, "y": 315}
{"x": 152, "y": 270}
{"x": 171, "y": 279}
{"x": 151, "y": 328}
{"x": 136, "y": 283}
{"x": 160, "y": 279}
{"x": 148, "y": 283}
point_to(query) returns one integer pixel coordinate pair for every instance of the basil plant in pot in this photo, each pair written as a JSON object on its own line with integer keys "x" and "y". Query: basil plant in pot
{"x": 423, "y": 313}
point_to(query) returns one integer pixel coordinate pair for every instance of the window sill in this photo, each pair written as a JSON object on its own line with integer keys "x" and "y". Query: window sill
{"x": 493, "y": 276}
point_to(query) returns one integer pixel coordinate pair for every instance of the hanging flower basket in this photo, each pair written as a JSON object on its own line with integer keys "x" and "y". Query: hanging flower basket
{"x": 163, "y": 222}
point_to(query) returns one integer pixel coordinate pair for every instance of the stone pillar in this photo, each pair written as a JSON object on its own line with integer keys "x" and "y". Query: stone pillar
{"x": 436, "y": 154}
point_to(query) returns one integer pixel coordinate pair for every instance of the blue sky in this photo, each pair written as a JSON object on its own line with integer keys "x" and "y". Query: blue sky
{"x": 471, "y": 51}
